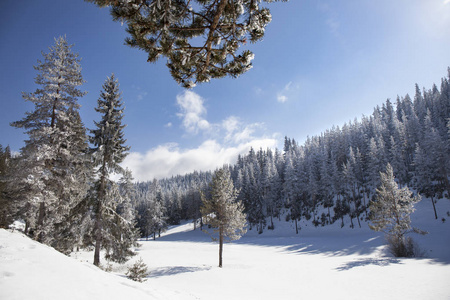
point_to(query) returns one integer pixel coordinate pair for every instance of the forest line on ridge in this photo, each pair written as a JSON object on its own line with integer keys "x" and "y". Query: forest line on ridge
{"x": 331, "y": 176}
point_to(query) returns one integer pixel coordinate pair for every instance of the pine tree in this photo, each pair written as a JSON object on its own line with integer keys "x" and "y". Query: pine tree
{"x": 52, "y": 170}
{"x": 352, "y": 191}
{"x": 108, "y": 152}
{"x": 199, "y": 38}
{"x": 222, "y": 212}
{"x": 6, "y": 205}
{"x": 120, "y": 234}
{"x": 390, "y": 213}
{"x": 128, "y": 193}
{"x": 138, "y": 271}
{"x": 144, "y": 219}
{"x": 158, "y": 215}
{"x": 424, "y": 175}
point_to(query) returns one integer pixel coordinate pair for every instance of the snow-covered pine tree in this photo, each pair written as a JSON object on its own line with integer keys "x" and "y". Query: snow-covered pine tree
{"x": 431, "y": 163}
{"x": 144, "y": 217}
{"x": 51, "y": 170}
{"x": 128, "y": 194}
{"x": 194, "y": 201}
{"x": 6, "y": 205}
{"x": 108, "y": 152}
{"x": 158, "y": 215}
{"x": 222, "y": 212}
{"x": 199, "y": 38}
{"x": 120, "y": 234}
{"x": 69, "y": 231}
{"x": 138, "y": 271}
{"x": 123, "y": 233}
{"x": 390, "y": 213}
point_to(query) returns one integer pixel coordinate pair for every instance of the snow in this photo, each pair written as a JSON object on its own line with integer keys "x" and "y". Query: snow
{"x": 318, "y": 263}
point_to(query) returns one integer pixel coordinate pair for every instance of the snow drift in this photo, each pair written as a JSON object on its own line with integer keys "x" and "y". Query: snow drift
{"x": 318, "y": 263}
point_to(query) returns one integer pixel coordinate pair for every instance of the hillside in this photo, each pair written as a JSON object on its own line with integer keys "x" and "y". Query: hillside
{"x": 319, "y": 263}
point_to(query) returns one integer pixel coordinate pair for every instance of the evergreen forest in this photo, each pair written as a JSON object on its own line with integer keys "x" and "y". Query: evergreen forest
{"x": 330, "y": 177}
{"x": 61, "y": 183}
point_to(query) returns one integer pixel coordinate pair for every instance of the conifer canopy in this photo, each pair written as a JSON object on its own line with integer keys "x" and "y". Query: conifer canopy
{"x": 200, "y": 38}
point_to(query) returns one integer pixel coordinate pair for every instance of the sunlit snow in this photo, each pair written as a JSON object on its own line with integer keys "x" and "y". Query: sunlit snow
{"x": 318, "y": 263}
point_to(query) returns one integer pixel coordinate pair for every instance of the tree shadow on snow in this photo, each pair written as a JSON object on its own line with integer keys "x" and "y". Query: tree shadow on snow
{"x": 339, "y": 245}
{"x": 324, "y": 242}
{"x": 382, "y": 262}
{"x": 196, "y": 236}
{"x": 174, "y": 270}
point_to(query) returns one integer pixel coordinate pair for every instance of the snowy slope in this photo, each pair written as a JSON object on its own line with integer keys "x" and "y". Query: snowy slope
{"x": 319, "y": 263}
{"x": 30, "y": 270}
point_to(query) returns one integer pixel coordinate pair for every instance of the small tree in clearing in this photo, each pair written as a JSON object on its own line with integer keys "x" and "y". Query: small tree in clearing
{"x": 222, "y": 211}
{"x": 390, "y": 212}
{"x": 138, "y": 271}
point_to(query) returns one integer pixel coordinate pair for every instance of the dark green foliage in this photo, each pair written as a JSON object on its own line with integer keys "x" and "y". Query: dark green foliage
{"x": 404, "y": 247}
{"x": 6, "y": 204}
{"x": 200, "y": 38}
{"x": 52, "y": 172}
{"x": 138, "y": 271}
{"x": 111, "y": 231}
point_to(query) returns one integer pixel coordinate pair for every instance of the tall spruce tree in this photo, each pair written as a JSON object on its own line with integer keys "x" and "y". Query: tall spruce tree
{"x": 108, "y": 152}
{"x": 199, "y": 38}
{"x": 222, "y": 212}
{"x": 51, "y": 172}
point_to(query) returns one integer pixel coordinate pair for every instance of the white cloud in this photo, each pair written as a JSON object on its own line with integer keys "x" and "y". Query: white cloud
{"x": 232, "y": 129}
{"x": 237, "y": 132}
{"x": 168, "y": 125}
{"x": 281, "y": 96}
{"x": 446, "y": 2}
{"x": 231, "y": 124}
{"x": 167, "y": 160}
{"x": 225, "y": 140}
{"x": 192, "y": 112}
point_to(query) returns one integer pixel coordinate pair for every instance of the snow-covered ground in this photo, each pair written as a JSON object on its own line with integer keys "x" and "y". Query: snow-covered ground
{"x": 318, "y": 263}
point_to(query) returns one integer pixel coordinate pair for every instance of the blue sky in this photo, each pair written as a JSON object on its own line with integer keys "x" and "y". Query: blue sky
{"x": 321, "y": 63}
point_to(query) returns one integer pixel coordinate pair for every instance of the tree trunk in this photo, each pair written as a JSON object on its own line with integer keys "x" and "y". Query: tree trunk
{"x": 40, "y": 222}
{"x": 98, "y": 233}
{"x": 434, "y": 208}
{"x": 97, "y": 244}
{"x": 356, "y": 208}
{"x": 329, "y": 215}
{"x": 365, "y": 206}
{"x": 27, "y": 227}
{"x": 220, "y": 245}
{"x": 296, "y": 227}
{"x": 271, "y": 220}
{"x": 99, "y": 216}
